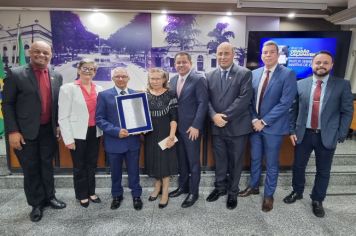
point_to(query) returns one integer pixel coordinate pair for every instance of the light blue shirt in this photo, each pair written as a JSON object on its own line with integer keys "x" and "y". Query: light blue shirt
{"x": 323, "y": 88}
{"x": 118, "y": 90}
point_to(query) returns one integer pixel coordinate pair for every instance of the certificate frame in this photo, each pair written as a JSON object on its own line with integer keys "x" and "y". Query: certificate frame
{"x": 144, "y": 112}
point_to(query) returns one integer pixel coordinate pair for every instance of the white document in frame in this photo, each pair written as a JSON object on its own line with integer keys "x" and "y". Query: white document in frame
{"x": 134, "y": 113}
{"x": 162, "y": 144}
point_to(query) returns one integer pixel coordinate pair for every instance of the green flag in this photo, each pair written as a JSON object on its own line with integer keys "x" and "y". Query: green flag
{"x": 20, "y": 49}
{"x": 2, "y": 76}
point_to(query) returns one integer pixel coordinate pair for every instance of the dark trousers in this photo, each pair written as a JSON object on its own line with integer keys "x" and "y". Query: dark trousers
{"x": 229, "y": 156}
{"x": 189, "y": 163}
{"x": 131, "y": 158}
{"x": 85, "y": 158}
{"x": 36, "y": 159}
{"x": 323, "y": 159}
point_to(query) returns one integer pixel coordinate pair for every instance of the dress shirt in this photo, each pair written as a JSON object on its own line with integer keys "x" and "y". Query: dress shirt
{"x": 44, "y": 86}
{"x": 118, "y": 90}
{"x": 323, "y": 88}
{"x": 263, "y": 78}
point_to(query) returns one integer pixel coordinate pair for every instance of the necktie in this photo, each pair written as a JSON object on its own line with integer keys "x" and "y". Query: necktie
{"x": 264, "y": 86}
{"x": 122, "y": 92}
{"x": 223, "y": 79}
{"x": 316, "y": 105}
{"x": 180, "y": 84}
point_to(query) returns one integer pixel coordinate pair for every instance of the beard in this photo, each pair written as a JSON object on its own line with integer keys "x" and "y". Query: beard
{"x": 319, "y": 73}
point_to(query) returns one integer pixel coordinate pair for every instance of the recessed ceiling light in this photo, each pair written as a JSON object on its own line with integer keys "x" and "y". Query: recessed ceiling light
{"x": 228, "y": 13}
{"x": 291, "y": 15}
{"x": 164, "y": 12}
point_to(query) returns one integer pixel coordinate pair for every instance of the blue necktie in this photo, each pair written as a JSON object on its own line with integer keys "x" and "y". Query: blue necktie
{"x": 223, "y": 79}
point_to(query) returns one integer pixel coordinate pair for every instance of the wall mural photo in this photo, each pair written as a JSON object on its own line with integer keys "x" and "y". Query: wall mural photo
{"x": 136, "y": 41}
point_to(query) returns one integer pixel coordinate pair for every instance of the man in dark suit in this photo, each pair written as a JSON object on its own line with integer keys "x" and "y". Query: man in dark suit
{"x": 230, "y": 93}
{"x": 118, "y": 144}
{"x": 190, "y": 87}
{"x": 274, "y": 87}
{"x": 30, "y": 107}
{"x": 320, "y": 117}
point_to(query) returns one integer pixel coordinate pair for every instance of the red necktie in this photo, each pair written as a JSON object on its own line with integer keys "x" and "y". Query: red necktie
{"x": 264, "y": 86}
{"x": 316, "y": 105}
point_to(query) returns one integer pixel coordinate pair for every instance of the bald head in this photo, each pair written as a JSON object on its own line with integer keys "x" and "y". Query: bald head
{"x": 40, "y": 54}
{"x": 225, "y": 55}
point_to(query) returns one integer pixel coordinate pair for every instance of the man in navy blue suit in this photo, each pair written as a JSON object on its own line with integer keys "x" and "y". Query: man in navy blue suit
{"x": 320, "y": 117}
{"x": 190, "y": 87}
{"x": 118, "y": 144}
{"x": 274, "y": 88}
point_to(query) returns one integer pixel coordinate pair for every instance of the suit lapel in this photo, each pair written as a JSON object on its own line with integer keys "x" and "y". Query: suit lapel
{"x": 257, "y": 82}
{"x": 188, "y": 82}
{"x": 272, "y": 80}
{"x": 173, "y": 84}
{"x": 308, "y": 91}
{"x": 32, "y": 76}
{"x": 329, "y": 88}
{"x": 231, "y": 76}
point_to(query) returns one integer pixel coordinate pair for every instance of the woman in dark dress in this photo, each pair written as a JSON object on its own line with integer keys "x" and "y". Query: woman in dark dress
{"x": 161, "y": 164}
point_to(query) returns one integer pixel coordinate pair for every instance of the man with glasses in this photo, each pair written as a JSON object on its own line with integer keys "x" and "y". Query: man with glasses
{"x": 118, "y": 144}
{"x": 30, "y": 108}
{"x": 320, "y": 118}
{"x": 274, "y": 88}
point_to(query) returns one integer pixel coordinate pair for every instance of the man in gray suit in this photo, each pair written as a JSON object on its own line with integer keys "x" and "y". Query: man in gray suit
{"x": 30, "y": 107}
{"x": 230, "y": 93}
{"x": 191, "y": 90}
{"x": 320, "y": 117}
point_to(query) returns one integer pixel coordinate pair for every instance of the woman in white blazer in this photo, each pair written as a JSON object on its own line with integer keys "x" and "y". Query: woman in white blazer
{"x": 76, "y": 118}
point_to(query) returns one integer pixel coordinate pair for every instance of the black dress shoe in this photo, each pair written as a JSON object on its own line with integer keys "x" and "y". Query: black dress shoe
{"x": 137, "y": 203}
{"x": 151, "y": 199}
{"x": 163, "y": 205}
{"x": 116, "y": 202}
{"x": 190, "y": 200}
{"x": 248, "y": 191}
{"x": 318, "y": 209}
{"x": 177, "y": 192}
{"x": 231, "y": 202}
{"x": 36, "y": 214}
{"x": 84, "y": 204}
{"x": 292, "y": 197}
{"x": 95, "y": 200}
{"x": 56, "y": 204}
{"x": 214, "y": 195}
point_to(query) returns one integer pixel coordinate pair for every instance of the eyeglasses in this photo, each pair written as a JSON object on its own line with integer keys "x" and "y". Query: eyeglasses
{"x": 120, "y": 76}
{"x": 84, "y": 69}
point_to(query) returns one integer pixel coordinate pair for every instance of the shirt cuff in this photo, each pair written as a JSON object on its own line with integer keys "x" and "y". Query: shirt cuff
{"x": 263, "y": 122}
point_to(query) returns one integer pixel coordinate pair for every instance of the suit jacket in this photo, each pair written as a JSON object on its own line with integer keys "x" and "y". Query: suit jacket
{"x": 22, "y": 101}
{"x": 192, "y": 102}
{"x": 73, "y": 115}
{"x": 233, "y": 101}
{"x": 277, "y": 99}
{"x": 336, "y": 111}
{"x": 107, "y": 119}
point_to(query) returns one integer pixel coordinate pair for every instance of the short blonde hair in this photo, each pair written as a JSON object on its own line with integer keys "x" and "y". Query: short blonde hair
{"x": 163, "y": 73}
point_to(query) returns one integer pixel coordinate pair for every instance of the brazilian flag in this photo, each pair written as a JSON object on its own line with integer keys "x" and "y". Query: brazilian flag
{"x": 2, "y": 77}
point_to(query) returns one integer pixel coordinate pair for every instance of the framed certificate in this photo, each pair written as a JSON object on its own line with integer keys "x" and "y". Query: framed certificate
{"x": 134, "y": 113}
